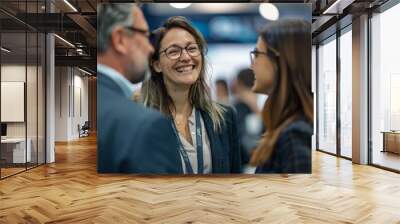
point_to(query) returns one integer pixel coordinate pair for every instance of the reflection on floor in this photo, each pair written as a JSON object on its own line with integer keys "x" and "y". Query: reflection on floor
{"x": 387, "y": 159}
{"x": 10, "y": 171}
{"x": 346, "y": 152}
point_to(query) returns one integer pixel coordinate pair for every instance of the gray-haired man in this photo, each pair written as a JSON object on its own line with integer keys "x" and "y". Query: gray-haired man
{"x": 131, "y": 138}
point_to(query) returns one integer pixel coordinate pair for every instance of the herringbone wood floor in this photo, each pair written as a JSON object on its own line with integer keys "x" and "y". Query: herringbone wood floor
{"x": 70, "y": 191}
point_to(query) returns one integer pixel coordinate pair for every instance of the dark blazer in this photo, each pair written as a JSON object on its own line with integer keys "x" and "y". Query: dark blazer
{"x": 224, "y": 145}
{"x": 131, "y": 138}
{"x": 292, "y": 152}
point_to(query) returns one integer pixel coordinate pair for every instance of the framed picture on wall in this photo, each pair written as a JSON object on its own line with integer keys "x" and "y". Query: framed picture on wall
{"x": 12, "y": 101}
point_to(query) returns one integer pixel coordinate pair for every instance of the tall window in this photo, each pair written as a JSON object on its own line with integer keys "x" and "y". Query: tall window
{"x": 327, "y": 96}
{"x": 346, "y": 93}
{"x": 385, "y": 89}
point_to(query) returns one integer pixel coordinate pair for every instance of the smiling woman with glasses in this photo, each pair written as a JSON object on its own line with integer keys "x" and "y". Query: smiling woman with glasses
{"x": 174, "y": 52}
{"x": 206, "y": 131}
{"x": 281, "y": 63}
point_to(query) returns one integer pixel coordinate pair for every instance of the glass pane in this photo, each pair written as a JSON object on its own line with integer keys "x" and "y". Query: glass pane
{"x": 41, "y": 98}
{"x": 327, "y": 97}
{"x": 13, "y": 87}
{"x": 346, "y": 94}
{"x": 31, "y": 97}
{"x": 314, "y": 82}
{"x": 385, "y": 86}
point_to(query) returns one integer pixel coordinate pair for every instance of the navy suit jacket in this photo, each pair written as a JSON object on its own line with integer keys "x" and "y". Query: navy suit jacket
{"x": 292, "y": 153}
{"x": 132, "y": 138}
{"x": 224, "y": 145}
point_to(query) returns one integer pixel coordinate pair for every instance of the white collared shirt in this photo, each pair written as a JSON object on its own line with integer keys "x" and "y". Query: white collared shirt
{"x": 191, "y": 149}
{"x": 126, "y": 86}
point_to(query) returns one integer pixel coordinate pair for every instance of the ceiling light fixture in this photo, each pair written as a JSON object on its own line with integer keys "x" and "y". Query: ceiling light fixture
{"x": 269, "y": 11}
{"x": 70, "y": 5}
{"x": 86, "y": 72}
{"x": 64, "y": 40}
{"x": 337, "y": 7}
{"x": 79, "y": 51}
{"x": 5, "y": 50}
{"x": 180, "y": 5}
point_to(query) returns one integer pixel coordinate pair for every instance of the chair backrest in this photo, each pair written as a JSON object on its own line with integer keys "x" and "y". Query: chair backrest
{"x": 86, "y": 125}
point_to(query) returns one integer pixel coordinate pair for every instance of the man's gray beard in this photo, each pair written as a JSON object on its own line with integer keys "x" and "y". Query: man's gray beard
{"x": 136, "y": 76}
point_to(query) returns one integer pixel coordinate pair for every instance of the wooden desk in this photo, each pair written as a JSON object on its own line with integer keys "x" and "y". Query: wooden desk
{"x": 391, "y": 141}
{"x": 13, "y": 150}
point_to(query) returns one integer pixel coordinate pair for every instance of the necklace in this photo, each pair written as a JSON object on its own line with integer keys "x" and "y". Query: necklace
{"x": 178, "y": 122}
{"x": 179, "y": 119}
{"x": 182, "y": 118}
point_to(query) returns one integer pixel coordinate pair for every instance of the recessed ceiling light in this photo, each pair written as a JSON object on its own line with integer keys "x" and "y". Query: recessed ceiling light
{"x": 84, "y": 71}
{"x": 337, "y": 7}
{"x": 180, "y": 5}
{"x": 5, "y": 50}
{"x": 70, "y": 5}
{"x": 64, "y": 40}
{"x": 269, "y": 11}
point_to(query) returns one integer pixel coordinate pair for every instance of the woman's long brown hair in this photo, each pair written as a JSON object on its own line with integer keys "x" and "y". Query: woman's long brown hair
{"x": 291, "y": 94}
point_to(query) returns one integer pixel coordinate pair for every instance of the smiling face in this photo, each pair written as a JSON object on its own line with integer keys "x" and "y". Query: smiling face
{"x": 184, "y": 70}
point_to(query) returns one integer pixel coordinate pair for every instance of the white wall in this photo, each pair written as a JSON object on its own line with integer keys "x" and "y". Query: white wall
{"x": 71, "y": 94}
{"x": 80, "y": 100}
{"x": 12, "y": 101}
{"x": 62, "y": 81}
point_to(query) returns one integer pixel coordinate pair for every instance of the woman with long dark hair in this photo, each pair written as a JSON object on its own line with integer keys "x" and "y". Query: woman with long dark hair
{"x": 205, "y": 130}
{"x": 281, "y": 63}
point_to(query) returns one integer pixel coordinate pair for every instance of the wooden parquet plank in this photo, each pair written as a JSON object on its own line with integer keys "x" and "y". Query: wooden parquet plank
{"x": 70, "y": 191}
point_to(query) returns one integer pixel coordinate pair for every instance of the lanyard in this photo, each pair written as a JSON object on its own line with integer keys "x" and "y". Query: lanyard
{"x": 199, "y": 147}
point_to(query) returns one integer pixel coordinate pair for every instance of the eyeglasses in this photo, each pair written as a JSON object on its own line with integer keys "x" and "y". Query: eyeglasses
{"x": 271, "y": 52}
{"x": 144, "y": 32}
{"x": 174, "y": 52}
